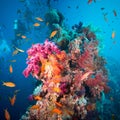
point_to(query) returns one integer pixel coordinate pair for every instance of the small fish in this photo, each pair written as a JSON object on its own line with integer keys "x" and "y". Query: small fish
{"x": 39, "y": 19}
{"x": 16, "y": 91}
{"x": 69, "y": 112}
{"x": 19, "y": 11}
{"x": 68, "y": 7}
{"x": 15, "y": 52}
{"x": 113, "y": 117}
{"x": 19, "y": 50}
{"x": 55, "y": 110}
{"x": 12, "y": 100}
{"x": 105, "y": 17}
{"x": 23, "y": 37}
{"x": 10, "y": 69}
{"x": 12, "y": 60}
{"x": 114, "y": 42}
{"x": 36, "y": 24}
{"x": 111, "y": 98}
{"x": 53, "y": 33}
{"x": 91, "y": 107}
{"x": 85, "y": 76}
{"x": 115, "y": 13}
{"x": 18, "y": 34}
{"x": 102, "y": 8}
{"x": 7, "y": 114}
{"x": 47, "y": 23}
{"x": 9, "y": 84}
{"x": 34, "y": 107}
{"x": 89, "y": 1}
{"x": 37, "y": 97}
{"x": 113, "y": 34}
{"x": 77, "y": 7}
{"x": 21, "y": 0}
{"x": 58, "y": 104}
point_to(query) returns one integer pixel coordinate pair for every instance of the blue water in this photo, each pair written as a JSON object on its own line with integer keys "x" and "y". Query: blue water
{"x": 74, "y": 11}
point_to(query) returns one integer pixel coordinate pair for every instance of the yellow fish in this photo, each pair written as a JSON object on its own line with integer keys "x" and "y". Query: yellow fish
{"x": 53, "y": 33}
{"x": 11, "y": 69}
{"x": 36, "y": 24}
{"x": 113, "y": 34}
{"x": 9, "y": 84}
{"x": 39, "y": 19}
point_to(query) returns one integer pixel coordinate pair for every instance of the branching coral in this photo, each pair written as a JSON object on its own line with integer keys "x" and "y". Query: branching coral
{"x": 71, "y": 82}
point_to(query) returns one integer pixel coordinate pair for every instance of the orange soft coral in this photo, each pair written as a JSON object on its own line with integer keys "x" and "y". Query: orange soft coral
{"x": 52, "y": 67}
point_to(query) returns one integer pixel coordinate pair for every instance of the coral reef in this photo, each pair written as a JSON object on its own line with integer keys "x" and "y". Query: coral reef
{"x": 72, "y": 81}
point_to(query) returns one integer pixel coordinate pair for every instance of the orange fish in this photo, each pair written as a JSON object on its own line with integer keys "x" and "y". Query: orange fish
{"x": 85, "y": 76}
{"x": 91, "y": 107}
{"x": 36, "y": 24}
{"x": 23, "y": 37}
{"x": 113, "y": 34}
{"x": 58, "y": 104}
{"x": 114, "y": 12}
{"x": 34, "y": 107}
{"x": 11, "y": 69}
{"x": 53, "y": 33}
{"x": 39, "y": 19}
{"x": 9, "y": 84}
{"x": 7, "y": 115}
{"x": 37, "y": 97}
{"x": 55, "y": 110}
{"x": 12, "y": 100}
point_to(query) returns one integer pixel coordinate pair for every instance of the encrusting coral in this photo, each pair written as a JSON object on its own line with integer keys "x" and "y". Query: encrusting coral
{"x": 71, "y": 81}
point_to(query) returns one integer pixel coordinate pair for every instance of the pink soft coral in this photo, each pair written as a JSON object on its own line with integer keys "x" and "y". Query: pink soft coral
{"x": 36, "y": 53}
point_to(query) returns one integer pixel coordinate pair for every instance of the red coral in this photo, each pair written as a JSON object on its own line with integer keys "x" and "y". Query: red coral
{"x": 86, "y": 59}
{"x": 97, "y": 84}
